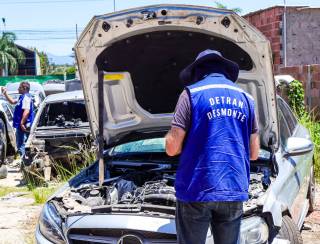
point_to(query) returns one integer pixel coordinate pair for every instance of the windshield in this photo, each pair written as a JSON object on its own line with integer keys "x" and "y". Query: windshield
{"x": 64, "y": 114}
{"x": 142, "y": 146}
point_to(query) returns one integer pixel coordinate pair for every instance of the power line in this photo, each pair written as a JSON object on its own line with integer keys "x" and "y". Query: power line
{"x": 46, "y": 38}
{"x": 50, "y": 1}
{"x": 43, "y": 31}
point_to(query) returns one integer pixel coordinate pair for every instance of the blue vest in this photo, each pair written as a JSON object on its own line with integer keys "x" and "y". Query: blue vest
{"x": 17, "y": 114}
{"x": 214, "y": 162}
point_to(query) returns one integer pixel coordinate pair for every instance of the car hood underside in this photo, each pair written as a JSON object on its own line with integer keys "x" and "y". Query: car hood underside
{"x": 141, "y": 53}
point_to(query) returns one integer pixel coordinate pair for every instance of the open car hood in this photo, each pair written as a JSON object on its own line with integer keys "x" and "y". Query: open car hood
{"x": 141, "y": 52}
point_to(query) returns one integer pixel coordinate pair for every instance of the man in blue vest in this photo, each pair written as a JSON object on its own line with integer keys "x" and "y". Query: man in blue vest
{"x": 216, "y": 131}
{"x": 23, "y": 114}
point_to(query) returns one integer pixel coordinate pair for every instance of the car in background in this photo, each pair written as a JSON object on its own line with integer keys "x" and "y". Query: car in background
{"x": 129, "y": 63}
{"x": 53, "y": 86}
{"x": 7, "y": 135}
{"x": 60, "y": 127}
{"x": 36, "y": 91}
{"x": 73, "y": 85}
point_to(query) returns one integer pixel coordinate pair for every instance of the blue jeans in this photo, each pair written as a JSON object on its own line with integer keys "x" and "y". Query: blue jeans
{"x": 194, "y": 219}
{"x": 21, "y": 138}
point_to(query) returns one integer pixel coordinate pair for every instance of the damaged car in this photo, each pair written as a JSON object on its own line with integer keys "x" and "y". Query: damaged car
{"x": 59, "y": 130}
{"x": 7, "y": 135}
{"x": 129, "y": 62}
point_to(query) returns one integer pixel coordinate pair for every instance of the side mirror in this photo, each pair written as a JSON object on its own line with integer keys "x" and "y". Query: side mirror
{"x": 298, "y": 146}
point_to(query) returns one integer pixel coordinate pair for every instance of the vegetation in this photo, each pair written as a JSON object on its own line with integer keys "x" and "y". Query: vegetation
{"x": 10, "y": 55}
{"x": 308, "y": 119}
{"x": 6, "y": 190}
{"x": 44, "y": 63}
{"x": 77, "y": 162}
{"x": 220, "y": 5}
{"x": 41, "y": 194}
{"x": 62, "y": 69}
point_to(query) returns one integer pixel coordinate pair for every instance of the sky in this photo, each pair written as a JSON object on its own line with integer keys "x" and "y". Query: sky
{"x": 50, "y": 25}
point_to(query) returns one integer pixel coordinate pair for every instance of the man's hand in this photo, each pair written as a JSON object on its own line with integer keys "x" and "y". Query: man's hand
{"x": 254, "y": 146}
{"x": 174, "y": 141}
{"x": 3, "y": 90}
{"x": 10, "y": 99}
{"x": 23, "y": 127}
{"x": 24, "y": 118}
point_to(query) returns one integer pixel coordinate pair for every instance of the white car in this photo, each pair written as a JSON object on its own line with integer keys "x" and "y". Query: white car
{"x": 129, "y": 63}
{"x": 36, "y": 91}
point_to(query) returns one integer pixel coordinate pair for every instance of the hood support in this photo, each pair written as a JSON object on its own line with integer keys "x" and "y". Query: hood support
{"x": 100, "y": 137}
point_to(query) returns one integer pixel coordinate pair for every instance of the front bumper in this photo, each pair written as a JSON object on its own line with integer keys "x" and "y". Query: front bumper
{"x": 40, "y": 239}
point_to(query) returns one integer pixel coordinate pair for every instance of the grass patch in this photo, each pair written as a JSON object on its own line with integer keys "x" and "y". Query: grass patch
{"x": 309, "y": 121}
{"x": 41, "y": 194}
{"x": 6, "y": 190}
{"x": 76, "y": 162}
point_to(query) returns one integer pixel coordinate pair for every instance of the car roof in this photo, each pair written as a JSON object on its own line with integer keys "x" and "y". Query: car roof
{"x": 65, "y": 96}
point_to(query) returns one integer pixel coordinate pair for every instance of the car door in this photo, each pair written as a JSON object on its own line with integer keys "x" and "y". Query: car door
{"x": 9, "y": 113}
{"x": 299, "y": 178}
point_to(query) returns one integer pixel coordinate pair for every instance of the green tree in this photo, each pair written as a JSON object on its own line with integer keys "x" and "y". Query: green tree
{"x": 220, "y": 5}
{"x": 71, "y": 70}
{"x": 10, "y": 55}
{"x": 44, "y": 62}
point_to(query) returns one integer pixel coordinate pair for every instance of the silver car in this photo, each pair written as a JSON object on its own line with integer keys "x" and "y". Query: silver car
{"x": 59, "y": 128}
{"x": 7, "y": 135}
{"x": 129, "y": 63}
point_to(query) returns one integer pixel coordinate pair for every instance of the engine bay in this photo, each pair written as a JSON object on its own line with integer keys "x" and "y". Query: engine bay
{"x": 141, "y": 188}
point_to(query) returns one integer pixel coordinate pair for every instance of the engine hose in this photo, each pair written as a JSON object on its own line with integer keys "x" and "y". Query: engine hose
{"x": 163, "y": 197}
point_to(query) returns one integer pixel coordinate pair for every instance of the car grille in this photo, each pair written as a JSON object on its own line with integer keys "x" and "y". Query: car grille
{"x": 113, "y": 236}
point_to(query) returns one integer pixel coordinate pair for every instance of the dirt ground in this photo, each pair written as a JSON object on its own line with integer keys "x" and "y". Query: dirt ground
{"x": 311, "y": 231}
{"x": 19, "y": 214}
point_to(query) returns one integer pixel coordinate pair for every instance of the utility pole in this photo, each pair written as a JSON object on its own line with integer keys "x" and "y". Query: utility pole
{"x": 114, "y": 5}
{"x": 285, "y": 33}
{"x": 4, "y": 24}
{"x": 77, "y": 32}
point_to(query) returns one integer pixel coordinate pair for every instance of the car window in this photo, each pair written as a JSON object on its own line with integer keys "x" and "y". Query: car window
{"x": 142, "y": 146}
{"x": 66, "y": 113}
{"x": 284, "y": 129}
{"x": 288, "y": 114}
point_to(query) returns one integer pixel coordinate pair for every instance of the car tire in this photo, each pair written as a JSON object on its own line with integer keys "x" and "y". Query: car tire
{"x": 311, "y": 191}
{"x": 289, "y": 231}
{"x": 3, "y": 150}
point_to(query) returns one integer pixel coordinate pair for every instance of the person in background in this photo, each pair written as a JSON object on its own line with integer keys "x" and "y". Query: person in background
{"x": 215, "y": 129}
{"x": 23, "y": 114}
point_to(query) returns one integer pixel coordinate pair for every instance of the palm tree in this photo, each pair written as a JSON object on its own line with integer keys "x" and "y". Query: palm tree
{"x": 220, "y": 5}
{"x": 10, "y": 55}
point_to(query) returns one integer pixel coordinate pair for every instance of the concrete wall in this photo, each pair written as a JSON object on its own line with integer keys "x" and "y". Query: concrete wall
{"x": 303, "y": 36}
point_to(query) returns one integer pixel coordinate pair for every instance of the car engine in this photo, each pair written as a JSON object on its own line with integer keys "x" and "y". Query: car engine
{"x": 143, "y": 191}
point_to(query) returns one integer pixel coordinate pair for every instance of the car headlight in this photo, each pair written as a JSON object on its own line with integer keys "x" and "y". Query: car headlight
{"x": 50, "y": 224}
{"x": 254, "y": 230}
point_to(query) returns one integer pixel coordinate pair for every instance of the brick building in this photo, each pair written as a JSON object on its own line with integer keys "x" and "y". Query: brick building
{"x": 269, "y": 22}
{"x": 301, "y": 44}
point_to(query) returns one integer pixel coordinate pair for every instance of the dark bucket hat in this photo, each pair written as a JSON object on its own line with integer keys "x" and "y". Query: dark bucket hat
{"x": 214, "y": 57}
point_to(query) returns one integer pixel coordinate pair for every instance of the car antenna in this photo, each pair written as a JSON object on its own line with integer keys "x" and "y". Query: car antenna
{"x": 100, "y": 135}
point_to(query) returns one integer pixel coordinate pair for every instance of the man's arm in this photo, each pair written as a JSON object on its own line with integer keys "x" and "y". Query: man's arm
{"x": 180, "y": 124}
{"x": 254, "y": 146}
{"x": 25, "y": 116}
{"x": 26, "y": 103}
{"x": 8, "y": 97}
{"x": 174, "y": 141}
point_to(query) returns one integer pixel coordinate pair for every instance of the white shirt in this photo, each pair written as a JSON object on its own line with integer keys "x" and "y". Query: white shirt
{"x": 26, "y": 102}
